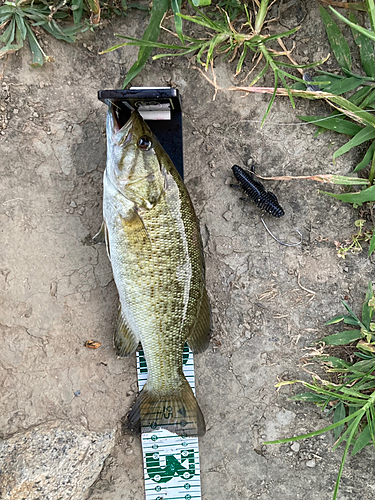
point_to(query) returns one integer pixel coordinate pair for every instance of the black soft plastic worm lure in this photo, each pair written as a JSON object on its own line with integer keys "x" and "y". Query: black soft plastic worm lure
{"x": 255, "y": 190}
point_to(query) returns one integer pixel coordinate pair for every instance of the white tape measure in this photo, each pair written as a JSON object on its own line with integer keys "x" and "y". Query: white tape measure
{"x": 171, "y": 462}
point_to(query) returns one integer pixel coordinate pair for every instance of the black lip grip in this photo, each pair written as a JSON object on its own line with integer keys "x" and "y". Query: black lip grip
{"x": 168, "y": 132}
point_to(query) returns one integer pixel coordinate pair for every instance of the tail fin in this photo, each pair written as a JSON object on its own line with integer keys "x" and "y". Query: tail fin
{"x": 175, "y": 411}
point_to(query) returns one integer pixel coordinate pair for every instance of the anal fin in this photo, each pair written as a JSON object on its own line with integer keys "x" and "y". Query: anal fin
{"x": 125, "y": 341}
{"x": 199, "y": 338}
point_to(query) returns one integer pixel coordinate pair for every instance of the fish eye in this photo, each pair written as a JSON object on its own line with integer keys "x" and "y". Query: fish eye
{"x": 144, "y": 142}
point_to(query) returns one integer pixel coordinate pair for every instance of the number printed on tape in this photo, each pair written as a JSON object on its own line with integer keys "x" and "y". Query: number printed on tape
{"x": 171, "y": 462}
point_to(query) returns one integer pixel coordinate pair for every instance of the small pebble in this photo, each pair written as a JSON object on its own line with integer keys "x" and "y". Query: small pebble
{"x": 77, "y": 393}
{"x": 295, "y": 447}
{"x": 216, "y": 125}
{"x": 130, "y": 393}
{"x": 83, "y": 421}
{"x": 73, "y": 204}
{"x": 227, "y": 215}
{"x": 128, "y": 451}
{"x": 15, "y": 111}
{"x": 311, "y": 463}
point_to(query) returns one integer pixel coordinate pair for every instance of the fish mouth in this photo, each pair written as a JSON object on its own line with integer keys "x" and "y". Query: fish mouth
{"x": 114, "y": 116}
{"x": 122, "y": 133}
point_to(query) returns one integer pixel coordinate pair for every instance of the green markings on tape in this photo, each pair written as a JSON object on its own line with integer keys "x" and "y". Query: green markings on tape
{"x": 173, "y": 466}
{"x": 143, "y": 364}
{"x": 171, "y": 462}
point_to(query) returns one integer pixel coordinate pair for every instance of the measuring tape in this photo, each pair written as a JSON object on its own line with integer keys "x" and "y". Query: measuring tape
{"x": 171, "y": 462}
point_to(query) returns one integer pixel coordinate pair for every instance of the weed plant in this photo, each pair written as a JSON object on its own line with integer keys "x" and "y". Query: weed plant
{"x": 238, "y": 31}
{"x": 351, "y": 399}
{"x": 63, "y": 19}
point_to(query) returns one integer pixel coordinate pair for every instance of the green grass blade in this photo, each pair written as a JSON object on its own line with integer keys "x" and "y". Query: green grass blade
{"x": 271, "y": 100}
{"x": 159, "y": 7}
{"x": 350, "y": 311}
{"x": 334, "y": 393}
{"x": 359, "y": 98}
{"x": 345, "y": 85}
{"x": 372, "y": 244}
{"x": 241, "y": 59}
{"x": 338, "y": 415}
{"x": 366, "y": 48}
{"x": 371, "y": 421}
{"x": 280, "y": 35}
{"x": 176, "y": 8}
{"x": 351, "y": 110}
{"x": 175, "y": 54}
{"x": 348, "y": 319}
{"x": 77, "y": 8}
{"x": 148, "y": 43}
{"x": 334, "y": 320}
{"x": 21, "y": 25}
{"x": 362, "y": 440}
{"x": 201, "y": 52}
{"x": 8, "y": 36}
{"x": 357, "y": 198}
{"x": 366, "y": 159}
{"x": 35, "y": 48}
{"x": 335, "y": 362}
{"x": 320, "y": 431}
{"x": 54, "y": 29}
{"x": 310, "y": 397}
{"x": 216, "y": 40}
{"x": 288, "y": 90}
{"x": 337, "y": 41}
{"x": 303, "y": 66}
{"x": 364, "y": 31}
{"x": 366, "y": 134}
{"x": 371, "y": 12}
{"x": 333, "y": 123}
{"x": 260, "y": 75}
{"x": 367, "y": 310}
{"x": 201, "y": 3}
{"x": 342, "y": 338}
{"x": 202, "y": 20}
{"x": 371, "y": 174}
{"x": 355, "y": 428}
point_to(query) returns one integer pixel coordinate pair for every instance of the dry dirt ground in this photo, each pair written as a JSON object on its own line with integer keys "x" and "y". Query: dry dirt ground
{"x": 57, "y": 289}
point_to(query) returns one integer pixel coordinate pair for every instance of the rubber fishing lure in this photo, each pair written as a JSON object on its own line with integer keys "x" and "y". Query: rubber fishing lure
{"x": 265, "y": 200}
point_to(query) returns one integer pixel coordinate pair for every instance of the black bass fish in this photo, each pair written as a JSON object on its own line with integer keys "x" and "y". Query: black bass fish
{"x": 154, "y": 245}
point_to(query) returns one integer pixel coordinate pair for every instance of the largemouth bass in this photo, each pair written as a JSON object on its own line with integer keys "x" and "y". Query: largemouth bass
{"x": 154, "y": 245}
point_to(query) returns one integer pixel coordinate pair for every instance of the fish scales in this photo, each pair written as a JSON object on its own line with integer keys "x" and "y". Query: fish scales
{"x": 154, "y": 245}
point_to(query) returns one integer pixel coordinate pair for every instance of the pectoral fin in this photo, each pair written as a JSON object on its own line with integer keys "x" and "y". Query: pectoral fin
{"x": 125, "y": 341}
{"x": 200, "y": 335}
{"x": 102, "y": 237}
{"x": 136, "y": 229}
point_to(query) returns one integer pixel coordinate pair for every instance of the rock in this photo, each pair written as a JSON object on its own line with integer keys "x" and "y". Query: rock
{"x": 311, "y": 463}
{"x": 57, "y": 460}
{"x": 295, "y": 447}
